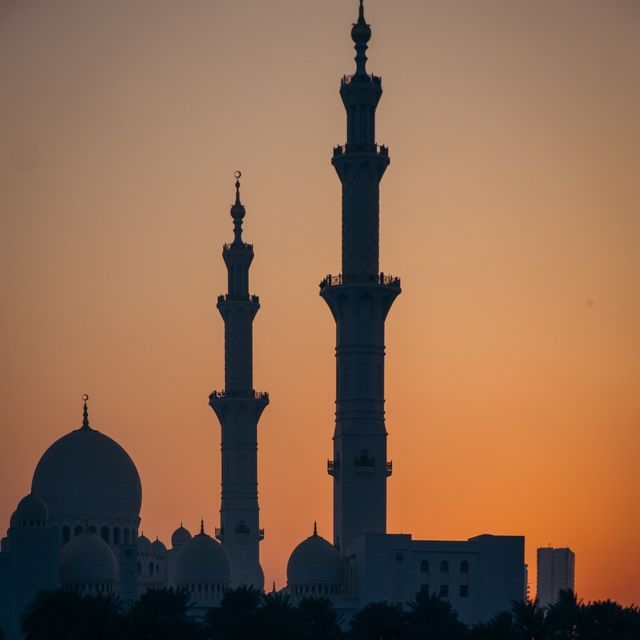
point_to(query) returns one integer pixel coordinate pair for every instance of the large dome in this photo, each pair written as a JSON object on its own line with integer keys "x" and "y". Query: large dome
{"x": 315, "y": 561}
{"x": 86, "y": 475}
{"x": 202, "y": 560}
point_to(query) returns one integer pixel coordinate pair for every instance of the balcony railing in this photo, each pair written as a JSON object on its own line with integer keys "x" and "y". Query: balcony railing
{"x": 356, "y": 278}
{"x": 260, "y": 534}
{"x": 333, "y": 466}
{"x": 364, "y": 462}
{"x": 242, "y": 245}
{"x": 389, "y": 468}
{"x": 228, "y": 297}
{"x": 361, "y": 77}
{"x": 219, "y": 532}
{"x": 380, "y": 149}
{"x": 257, "y": 395}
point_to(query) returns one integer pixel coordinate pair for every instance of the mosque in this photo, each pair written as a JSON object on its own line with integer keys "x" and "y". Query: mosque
{"x": 78, "y": 526}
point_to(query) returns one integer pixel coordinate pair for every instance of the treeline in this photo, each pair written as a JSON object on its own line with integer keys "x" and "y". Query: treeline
{"x": 245, "y": 614}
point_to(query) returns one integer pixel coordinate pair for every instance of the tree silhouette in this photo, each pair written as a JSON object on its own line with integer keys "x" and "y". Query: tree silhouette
{"x": 276, "y": 618}
{"x": 237, "y": 616}
{"x": 528, "y": 621}
{"x": 378, "y": 621}
{"x": 500, "y": 627}
{"x": 161, "y": 614}
{"x": 317, "y": 620}
{"x": 67, "y": 615}
{"x": 433, "y": 618}
{"x": 607, "y": 620}
{"x": 563, "y": 617}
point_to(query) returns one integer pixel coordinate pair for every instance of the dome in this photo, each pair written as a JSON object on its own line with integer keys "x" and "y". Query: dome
{"x": 202, "y": 560}
{"x": 30, "y": 512}
{"x": 86, "y": 475}
{"x": 180, "y": 536}
{"x": 87, "y": 558}
{"x": 157, "y": 548}
{"x": 144, "y": 544}
{"x": 314, "y": 561}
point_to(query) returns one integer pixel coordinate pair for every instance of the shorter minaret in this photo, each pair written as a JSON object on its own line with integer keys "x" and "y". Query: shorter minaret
{"x": 239, "y": 408}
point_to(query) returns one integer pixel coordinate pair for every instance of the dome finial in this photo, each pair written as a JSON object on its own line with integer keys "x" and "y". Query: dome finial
{"x": 85, "y": 413}
{"x": 201, "y": 526}
{"x": 315, "y": 528}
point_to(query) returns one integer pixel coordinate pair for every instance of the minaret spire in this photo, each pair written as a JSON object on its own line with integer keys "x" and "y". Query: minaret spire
{"x": 359, "y": 299}
{"x": 239, "y": 408}
{"x": 85, "y": 413}
{"x": 361, "y": 34}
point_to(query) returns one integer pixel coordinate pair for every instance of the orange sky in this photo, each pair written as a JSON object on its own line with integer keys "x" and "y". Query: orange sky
{"x": 510, "y": 211}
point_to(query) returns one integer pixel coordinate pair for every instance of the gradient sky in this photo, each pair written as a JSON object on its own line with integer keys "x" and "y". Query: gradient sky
{"x": 510, "y": 211}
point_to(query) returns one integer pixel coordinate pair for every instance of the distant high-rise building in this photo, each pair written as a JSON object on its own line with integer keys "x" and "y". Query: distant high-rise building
{"x": 556, "y": 571}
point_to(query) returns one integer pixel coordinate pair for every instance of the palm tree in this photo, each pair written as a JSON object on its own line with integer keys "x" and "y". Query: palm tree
{"x": 500, "y": 627}
{"x": 67, "y": 615}
{"x": 378, "y": 621}
{"x": 161, "y": 614}
{"x": 608, "y": 620}
{"x": 276, "y": 620}
{"x": 317, "y": 620}
{"x": 528, "y": 621}
{"x": 432, "y": 618}
{"x": 563, "y": 617}
{"x": 236, "y": 618}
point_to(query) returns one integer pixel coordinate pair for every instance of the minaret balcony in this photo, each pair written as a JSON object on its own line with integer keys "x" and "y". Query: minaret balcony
{"x": 228, "y": 297}
{"x": 389, "y": 467}
{"x": 343, "y": 149}
{"x": 361, "y": 77}
{"x": 260, "y": 535}
{"x": 263, "y": 396}
{"x": 356, "y": 278}
{"x": 333, "y": 466}
{"x": 219, "y": 533}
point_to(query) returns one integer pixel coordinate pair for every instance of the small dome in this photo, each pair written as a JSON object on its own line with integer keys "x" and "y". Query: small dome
{"x": 158, "y": 548}
{"x": 202, "y": 560}
{"x": 180, "y": 536}
{"x": 144, "y": 544}
{"x": 31, "y": 512}
{"x": 86, "y": 475}
{"x": 87, "y": 558}
{"x": 315, "y": 561}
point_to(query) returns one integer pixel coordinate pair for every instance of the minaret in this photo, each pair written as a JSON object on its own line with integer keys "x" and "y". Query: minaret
{"x": 239, "y": 408}
{"x": 360, "y": 299}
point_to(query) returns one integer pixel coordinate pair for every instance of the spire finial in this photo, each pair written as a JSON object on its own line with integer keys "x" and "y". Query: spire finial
{"x": 237, "y": 210}
{"x": 361, "y": 34}
{"x": 202, "y": 526}
{"x": 315, "y": 528}
{"x": 85, "y": 413}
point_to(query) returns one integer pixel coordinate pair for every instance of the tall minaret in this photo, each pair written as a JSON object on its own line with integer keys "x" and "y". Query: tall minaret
{"x": 360, "y": 299}
{"x": 239, "y": 408}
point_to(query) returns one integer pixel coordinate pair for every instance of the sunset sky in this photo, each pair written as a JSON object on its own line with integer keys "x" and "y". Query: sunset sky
{"x": 510, "y": 211}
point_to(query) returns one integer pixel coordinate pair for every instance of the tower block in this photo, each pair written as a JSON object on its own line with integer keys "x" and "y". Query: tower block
{"x": 360, "y": 299}
{"x": 239, "y": 408}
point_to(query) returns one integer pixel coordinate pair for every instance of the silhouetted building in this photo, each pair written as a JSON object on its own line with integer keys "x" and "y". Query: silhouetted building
{"x": 556, "y": 572}
{"x": 480, "y": 576}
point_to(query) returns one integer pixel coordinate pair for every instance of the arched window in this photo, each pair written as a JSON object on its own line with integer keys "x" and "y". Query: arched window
{"x": 77, "y": 531}
{"x": 464, "y": 567}
{"x": 66, "y": 534}
{"x": 139, "y": 567}
{"x": 424, "y": 566}
{"x": 126, "y": 536}
{"x": 116, "y": 535}
{"x": 151, "y": 568}
{"x": 104, "y": 532}
{"x": 444, "y": 567}
{"x": 92, "y": 529}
